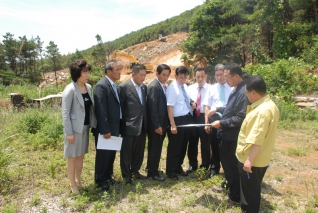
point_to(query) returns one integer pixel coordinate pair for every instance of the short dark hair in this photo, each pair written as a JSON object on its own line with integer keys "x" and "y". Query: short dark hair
{"x": 163, "y": 67}
{"x": 245, "y": 75}
{"x": 109, "y": 65}
{"x": 136, "y": 68}
{"x": 182, "y": 70}
{"x": 199, "y": 69}
{"x": 219, "y": 67}
{"x": 76, "y": 68}
{"x": 234, "y": 69}
{"x": 256, "y": 83}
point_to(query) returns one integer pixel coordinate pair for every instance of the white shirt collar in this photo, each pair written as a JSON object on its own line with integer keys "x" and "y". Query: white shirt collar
{"x": 135, "y": 83}
{"x": 204, "y": 85}
{"x": 160, "y": 82}
{"x": 110, "y": 80}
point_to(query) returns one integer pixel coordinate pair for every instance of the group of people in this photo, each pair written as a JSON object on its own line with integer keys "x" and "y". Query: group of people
{"x": 234, "y": 120}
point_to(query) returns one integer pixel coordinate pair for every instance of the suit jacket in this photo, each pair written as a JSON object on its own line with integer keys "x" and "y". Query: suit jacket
{"x": 73, "y": 109}
{"x": 107, "y": 108}
{"x": 135, "y": 113}
{"x": 157, "y": 107}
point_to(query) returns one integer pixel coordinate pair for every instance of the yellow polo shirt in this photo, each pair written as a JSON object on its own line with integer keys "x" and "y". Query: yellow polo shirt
{"x": 259, "y": 127}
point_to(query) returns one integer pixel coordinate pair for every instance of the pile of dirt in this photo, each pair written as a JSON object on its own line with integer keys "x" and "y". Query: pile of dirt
{"x": 49, "y": 77}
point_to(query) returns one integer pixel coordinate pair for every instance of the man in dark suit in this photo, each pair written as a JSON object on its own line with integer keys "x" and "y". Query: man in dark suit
{"x": 228, "y": 127}
{"x": 157, "y": 119}
{"x": 133, "y": 96}
{"x": 109, "y": 114}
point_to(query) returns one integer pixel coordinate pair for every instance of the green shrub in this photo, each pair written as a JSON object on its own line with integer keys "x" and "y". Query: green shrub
{"x": 42, "y": 128}
{"x": 32, "y": 121}
{"x": 53, "y": 128}
{"x": 286, "y": 78}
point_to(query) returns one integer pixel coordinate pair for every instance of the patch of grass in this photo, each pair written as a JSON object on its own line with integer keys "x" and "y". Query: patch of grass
{"x": 290, "y": 203}
{"x": 200, "y": 173}
{"x": 43, "y": 209}
{"x": 63, "y": 202}
{"x": 10, "y": 208}
{"x": 35, "y": 200}
{"x": 300, "y": 151}
{"x": 310, "y": 210}
{"x": 80, "y": 203}
{"x": 143, "y": 207}
{"x": 279, "y": 178}
{"x": 188, "y": 200}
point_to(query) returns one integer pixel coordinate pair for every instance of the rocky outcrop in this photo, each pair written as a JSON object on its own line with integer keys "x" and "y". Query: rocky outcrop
{"x": 306, "y": 101}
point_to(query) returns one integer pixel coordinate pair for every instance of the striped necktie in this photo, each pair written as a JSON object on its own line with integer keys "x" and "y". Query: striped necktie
{"x": 186, "y": 99}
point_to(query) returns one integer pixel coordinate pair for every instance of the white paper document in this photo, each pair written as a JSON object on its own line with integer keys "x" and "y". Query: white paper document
{"x": 112, "y": 143}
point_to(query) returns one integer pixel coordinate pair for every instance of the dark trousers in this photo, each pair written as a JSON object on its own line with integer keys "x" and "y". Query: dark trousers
{"x": 251, "y": 188}
{"x": 104, "y": 164}
{"x": 214, "y": 143}
{"x": 132, "y": 154}
{"x": 199, "y": 133}
{"x": 155, "y": 142}
{"x": 229, "y": 164}
{"x": 177, "y": 146}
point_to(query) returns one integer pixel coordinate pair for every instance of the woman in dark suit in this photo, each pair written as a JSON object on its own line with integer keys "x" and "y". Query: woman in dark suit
{"x": 78, "y": 115}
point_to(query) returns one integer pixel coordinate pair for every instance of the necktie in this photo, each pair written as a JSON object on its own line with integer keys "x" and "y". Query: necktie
{"x": 186, "y": 99}
{"x": 138, "y": 89}
{"x": 165, "y": 88}
{"x": 198, "y": 111}
{"x": 222, "y": 94}
{"x": 116, "y": 92}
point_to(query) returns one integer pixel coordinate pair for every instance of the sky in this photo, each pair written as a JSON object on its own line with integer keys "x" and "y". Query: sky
{"x": 74, "y": 24}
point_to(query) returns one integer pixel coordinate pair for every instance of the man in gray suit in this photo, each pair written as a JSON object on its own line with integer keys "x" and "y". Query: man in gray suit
{"x": 133, "y": 96}
{"x": 109, "y": 114}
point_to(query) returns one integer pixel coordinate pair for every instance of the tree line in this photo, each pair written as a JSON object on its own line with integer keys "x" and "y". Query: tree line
{"x": 253, "y": 31}
{"x": 27, "y": 59}
{"x": 242, "y": 31}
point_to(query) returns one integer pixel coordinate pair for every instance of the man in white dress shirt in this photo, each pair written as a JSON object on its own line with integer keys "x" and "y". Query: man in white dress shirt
{"x": 180, "y": 112}
{"x": 197, "y": 93}
{"x": 217, "y": 96}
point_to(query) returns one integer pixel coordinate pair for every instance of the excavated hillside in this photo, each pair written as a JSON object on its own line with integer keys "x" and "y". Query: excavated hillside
{"x": 155, "y": 52}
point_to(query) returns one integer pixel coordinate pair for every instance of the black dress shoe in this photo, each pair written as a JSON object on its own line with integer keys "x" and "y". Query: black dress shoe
{"x": 158, "y": 178}
{"x": 173, "y": 177}
{"x": 212, "y": 173}
{"x": 128, "y": 181}
{"x": 104, "y": 188}
{"x": 139, "y": 176}
{"x": 182, "y": 173}
{"x": 191, "y": 169}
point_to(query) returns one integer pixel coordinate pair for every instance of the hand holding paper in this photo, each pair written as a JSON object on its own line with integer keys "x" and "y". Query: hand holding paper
{"x": 113, "y": 143}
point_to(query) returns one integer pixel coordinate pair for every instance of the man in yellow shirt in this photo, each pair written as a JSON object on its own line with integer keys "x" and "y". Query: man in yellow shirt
{"x": 255, "y": 142}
